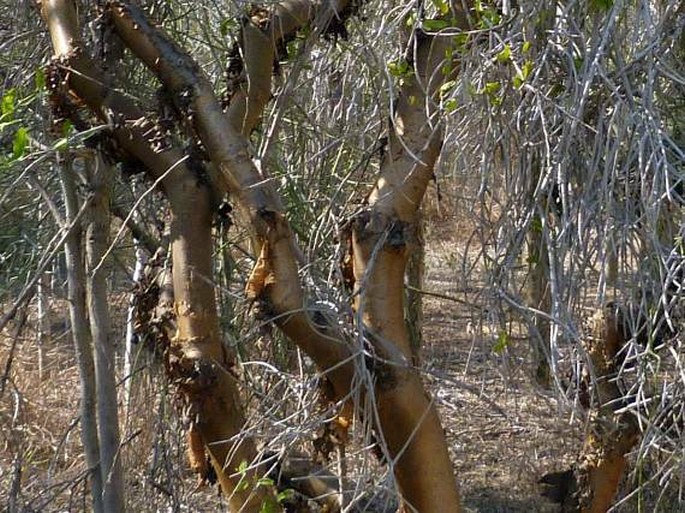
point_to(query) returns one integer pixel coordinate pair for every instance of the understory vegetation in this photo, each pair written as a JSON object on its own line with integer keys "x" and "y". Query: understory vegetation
{"x": 342, "y": 256}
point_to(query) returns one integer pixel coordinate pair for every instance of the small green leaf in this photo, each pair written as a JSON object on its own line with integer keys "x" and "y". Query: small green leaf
{"x": 411, "y": 20}
{"x": 285, "y": 495}
{"x": 21, "y": 141}
{"x": 61, "y": 144}
{"x": 265, "y": 481}
{"x": 399, "y": 68}
{"x": 7, "y": 105}
{"x": 502, "y": 343}
{"x": 442, "y": 6}
{"x": 527, "y": 69}
{"x": 40, "y": 80}
{"x": 523, "y": 74}
{"x": 526, "y": 47}
{"x": 505, "y": 55}
{"x": 491, "y": 88}
{"x": 451, "y": 104}
{"x": 435, "y": 25}
{"x": 447, "y": 87}
{"x": 269, "y": 506}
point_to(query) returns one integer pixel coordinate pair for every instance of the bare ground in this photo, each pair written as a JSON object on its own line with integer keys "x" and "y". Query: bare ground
{"x": 504, "y": 432}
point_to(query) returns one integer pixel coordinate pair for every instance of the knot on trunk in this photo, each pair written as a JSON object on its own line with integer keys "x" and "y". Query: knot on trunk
{"x": 193, "y": 375}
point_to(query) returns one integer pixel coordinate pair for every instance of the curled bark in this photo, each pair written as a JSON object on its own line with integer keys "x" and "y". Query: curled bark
{"x": 405, "y": 417}
{"x": 592, "y": 484}
{"x": 201, "y": 367}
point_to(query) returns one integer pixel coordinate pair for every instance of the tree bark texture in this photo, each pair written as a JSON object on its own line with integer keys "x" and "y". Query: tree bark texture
{"x": 98, "y": 310}
{"x": 593, "y": 482}
{"x": 539, "y": 297}
{"x": 76, "y": 281}
{"x": 405, "y": 417}
{"x": 381, "y": 239}
{"x": 612, "y": 435}
{"x": 198, "y": 363}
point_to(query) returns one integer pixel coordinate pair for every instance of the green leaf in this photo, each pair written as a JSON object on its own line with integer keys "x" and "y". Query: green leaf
{"x": 265, "y": 481}
{"x": 502, "y": 343}
{"x": 527, "y": 69}
{"x": 523, "y": 74}
{"x": 491, "y": 88}
{"x": 61, "y": 144}
{"x": 286, "y": 494}
{"x": 442, "y": 6}
{"x": 505, "y": 55}
{"x": 269, "y": 506}
{"x": 399, "y": 68}
{"x": 21, "y": 141}
{"x": 7, "y": 105}
{"x": 451, "y": 104}
{"x": 526, "y": 47}
{"x": 435, "y": 25}
{"x": 40, "y": 79}
{"x": 447, "y": 87}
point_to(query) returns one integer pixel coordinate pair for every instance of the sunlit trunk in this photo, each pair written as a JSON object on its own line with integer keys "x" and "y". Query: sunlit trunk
{"x": 200, "y": 364}
{"x": 612, "y": 435}
{"x": 383, "y": 237}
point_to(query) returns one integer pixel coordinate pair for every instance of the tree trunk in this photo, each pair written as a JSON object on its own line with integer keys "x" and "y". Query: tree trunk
{"x": 539, "y": 298}
{"x": 76, "y": 280}
{"x": 382, "y": 240}
{"x": 414, "y": 301}
{"x": 199, "y": 363}
{"x": 603, "y": 460}
{"x": 405, "y": 418}
{"x": 105, "y": 376}
{"x": 591, "y": 485}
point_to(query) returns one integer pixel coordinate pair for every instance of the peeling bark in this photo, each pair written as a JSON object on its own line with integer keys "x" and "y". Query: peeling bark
{"x": 592, "y": 484}
{"x": 407, "y": 421}
{"x": 199, "y": 365}
{"x": 381, "y": 243}
{"x": 612, "y": 436}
